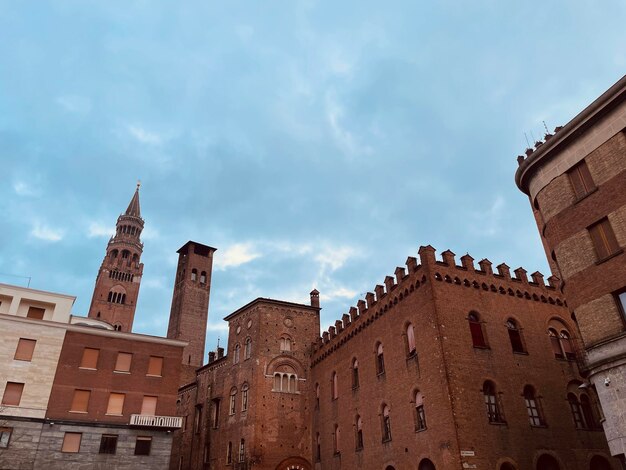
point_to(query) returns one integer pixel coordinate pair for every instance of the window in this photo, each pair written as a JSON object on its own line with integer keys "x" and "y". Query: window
{"x": 155, "y": 366}
{"x": 244, "y": 397}
{"x": 318, "y": 448}
{"x": 410, "y": 340}
{"x": 142, "y": 445}
{"x": 123, "y": 362}
{"x": 515, "y": 336}
{"x": 236, "y": 354}
{"x": 359, "y": 433}
{"x": 476, "y": 330}
{"x": 336, "y": 439}
{"x": 108, "y": 444}
{"x": 587, "y": 409}
{"x": 36, "y": 313}
{"x": 5, "y": 437}
{"x": 577, "y": 414}
{"x": 216, "y": 413}
{"x": 13, "y": 394}
{"x": 194, "y": 275}
{"x": 242, "y": 450}
{"x": 380, "y": 359}
{"x": 603, "y": 239}
{"x": 71, "y": 442}
{"x": 494, "y": 413}
{"x": 229, "y": 453}
{"x": 561, "y": 342}
{"x": 581, "y": 180}
{"x": 116, "y": 404}
{"x": 620, "y": 299}
{"x": 334, "y": 386}
{"x": 285, "y": 343}
{"x": 420, "y": 415}
{"x": 285, "y": 382}
{"x": 317, "y": 396}
{"x": 532, "y": 407}
{"x": 117, "y": 295}
{"x": 90, "y": 358}
{"x": 248, "y": 349}
{"x": 80, "y": 402}
{"x": 355, "y": 373}
{"x": 203, "y": 277}
{"x": 386, "y": 422}
{"x": 197, "y": 419}
{"x": 25, "y": 349}
{"x": 148, "y": 405}
{"x": 233, "y": 404}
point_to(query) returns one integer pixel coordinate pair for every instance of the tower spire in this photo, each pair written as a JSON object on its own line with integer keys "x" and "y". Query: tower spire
{"x": 133, "y": 208}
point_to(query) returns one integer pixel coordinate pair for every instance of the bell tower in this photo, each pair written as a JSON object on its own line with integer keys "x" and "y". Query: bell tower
{"x": 117, "y": 285}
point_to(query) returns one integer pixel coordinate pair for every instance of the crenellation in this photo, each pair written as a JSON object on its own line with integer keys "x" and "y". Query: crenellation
{"x": 362, "y": 306}
{"x": 427, "y": 255}
{"x": 448, "y": 258}
{"x": 370, "y": 299}
{"x": 338, "y": 326}
{"x": 485, "y": 266}
{"x": 390, "y": 283}
{"x": 554, "y": 282}
{"x": 537, "y": 278}
{"x": 504, "y": 271}
{"x": 400, "y": 274}
{"x": 467, "y": 262}
{"x": 380, "y": 292}
{"x": 354, "y": 314}
{"x": 520, "y": 275}
{"x": 411, "y": 264}
{"x": 332, "y": 332}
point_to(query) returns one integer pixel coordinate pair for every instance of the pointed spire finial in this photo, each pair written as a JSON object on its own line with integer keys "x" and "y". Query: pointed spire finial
{"x": 138, "y": 184}
{"x": 133, "y": 208}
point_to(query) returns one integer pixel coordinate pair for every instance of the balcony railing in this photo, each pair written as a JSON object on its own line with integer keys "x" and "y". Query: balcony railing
{"x": 156, "y": 421}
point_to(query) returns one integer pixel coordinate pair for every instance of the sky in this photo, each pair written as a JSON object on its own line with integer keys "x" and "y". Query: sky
{"x": 315, "y": 144}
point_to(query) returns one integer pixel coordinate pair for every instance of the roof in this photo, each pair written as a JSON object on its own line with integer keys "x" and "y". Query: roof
{"x": 270, "y": 301}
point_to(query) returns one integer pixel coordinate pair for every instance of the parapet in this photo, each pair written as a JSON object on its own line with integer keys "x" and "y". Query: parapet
{"x": 406, "y": 281}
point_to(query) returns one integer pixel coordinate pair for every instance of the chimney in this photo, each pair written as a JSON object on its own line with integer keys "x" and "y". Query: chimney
{"x": 211, "y": 356}
{"x": 315, "y": 298}
{"x": 220, "y": 352}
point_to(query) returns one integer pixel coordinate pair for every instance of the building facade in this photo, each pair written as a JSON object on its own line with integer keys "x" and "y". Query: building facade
{"x": 576, "y": 184}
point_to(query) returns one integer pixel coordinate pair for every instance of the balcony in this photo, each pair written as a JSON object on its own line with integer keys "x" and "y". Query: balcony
{"x": 149, "y": 421}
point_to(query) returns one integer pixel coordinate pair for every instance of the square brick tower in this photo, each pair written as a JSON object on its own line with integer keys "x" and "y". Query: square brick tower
{"x": 190, "y": 304}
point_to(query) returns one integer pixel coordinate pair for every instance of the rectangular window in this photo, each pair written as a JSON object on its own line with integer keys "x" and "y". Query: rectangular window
{"x": 155, "y": 366}
{"x": 25, "y": 349}
{"x": 13, "y": 394}
{"x": 620, "y": 299}
{"x": 197, "y": 419}
{"x": 71, "y": 442}
{"x": 108, "y": 444}
{"x": 216, "y": 412}
{"x": 142, "y": 445}
{"x": 116, "y": 404}
{"x": 90, "y": 358}
{"x": 80, "y": 402}
{"x": 581, "y": 180}
{"x": 123, "y": 362}
{"x": 148, "y": 406}
{"x": 5, "y": 437}
{"x": 36, "y": 313}
{"x": 603, "y": 239}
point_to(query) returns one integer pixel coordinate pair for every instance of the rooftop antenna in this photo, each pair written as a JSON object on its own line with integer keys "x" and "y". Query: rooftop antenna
{"x": 532, "y": 135}
{"x": 527, "y": 142}
{"x": 545, "y": 127}
{"x": 218, "y": 341}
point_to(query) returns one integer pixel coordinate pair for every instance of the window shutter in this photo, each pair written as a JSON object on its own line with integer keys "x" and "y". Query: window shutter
{"x": 577, "y": 182}
{"x": 155, "y": 366}
{"x": 477, "y": 334}
{"x": 90, "y": 358}
{"x": 123, "y": 362}
{"x": 80, "y": 401}
{"x": 609, "y": 236}
{"x": 116, "y": 404}
{"x": 36, "y": 313}
{"x": 13, "y": 394}
{"x": 598, "y": 242}
{"x": 148, "y": 407}
{"x": 25, "y": 348}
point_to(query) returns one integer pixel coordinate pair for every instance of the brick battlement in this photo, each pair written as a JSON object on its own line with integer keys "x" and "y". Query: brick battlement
{"x": 407, "y": 281}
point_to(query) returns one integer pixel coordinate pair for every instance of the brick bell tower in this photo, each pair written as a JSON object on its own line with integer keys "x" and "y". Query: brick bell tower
{"x": 117, "y": 285}
{"x": 190, "y": 305}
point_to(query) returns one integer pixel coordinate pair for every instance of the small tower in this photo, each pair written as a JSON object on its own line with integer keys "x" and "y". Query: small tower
{"x": 190, "y": 304}
{"x": 117, "y": 285}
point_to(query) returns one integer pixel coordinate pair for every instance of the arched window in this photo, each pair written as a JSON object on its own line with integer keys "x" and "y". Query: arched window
{"x": 318, "y": 447}
{"x": 355, "y": 373}
{"x": 359, "y": 433}
{"x": 507, "y": 466}
{"x": 476, "y": 330}
{"x": 560, "y": 340}
{"x": 426, "y": 464}
{"x": 317, "y": 396}
{"x": 386, "y": 423}
{"x": 203, "y": 277}
{"x": 532, "y": 407}
{"x": 117, "y": 295}
{"x": 410, "y": 340}
{"x": 547, "y": 462}
{"x": 599, "y": 463}
{"x": 236, "y": 354}
{"x": 114, "y": 254}
{"x": 233, "y": 401}
{"x": 587, "y": 409}
{"x": 515, "y": 336}
{"x": 380, "y": 359}
{"x": 135, "y": 258}
{"x": 334, "y": 386}
{"x": 229, "y": 453}
{"x": 336, "y": 439}
{"x": 194, "y": 275}
{"x": 244, "y": 397}
{"x": 285, "y": 382}
{"x": 242, "y": 450}
{"x": 125, "y": 254}
{"x": 420, "y": 415}
{"x": 248, "y": 348}
{"x": 494, "y": 412}
{"x": 577, "y": 414}
{"x": 285, "y": 343}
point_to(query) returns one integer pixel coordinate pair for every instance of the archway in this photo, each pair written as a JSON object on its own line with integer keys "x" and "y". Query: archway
{"x": 294, "y": 463}
{"x": 389, "y": 467}
{"x": 599, "y": 463}
{"x": 507, "y": 466}
{"x": 547, "y": 462}
{"x": 426, "y": 464}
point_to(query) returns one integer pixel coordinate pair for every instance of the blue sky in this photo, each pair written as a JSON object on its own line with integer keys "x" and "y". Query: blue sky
{"x": 315, "y": 144}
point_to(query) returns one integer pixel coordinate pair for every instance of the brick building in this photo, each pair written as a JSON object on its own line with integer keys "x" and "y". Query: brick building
{"x": 576, "y": 183}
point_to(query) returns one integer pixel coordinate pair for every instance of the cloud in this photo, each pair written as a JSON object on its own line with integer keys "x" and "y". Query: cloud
{"x": 23, "y": 189}
{"x": 236, "y": 255}
{"x": 75, "y": 104}
{"x": 99, "y": 229}
{"x": 338, "y": 293}
{"x": 43, "y": 232}
{"x": 145, "y": 137}
{"x": 343, "y": 137}
{"x": 220, "y": 327}
{"x": 333, "y": 258}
